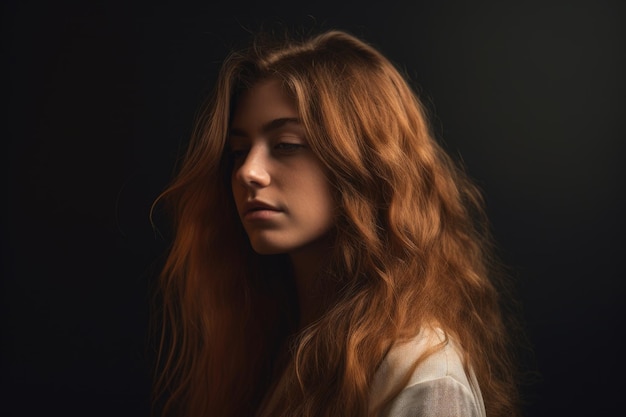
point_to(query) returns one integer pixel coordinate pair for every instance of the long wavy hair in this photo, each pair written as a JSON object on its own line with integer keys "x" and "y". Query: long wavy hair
{"x": 412, "y": 249}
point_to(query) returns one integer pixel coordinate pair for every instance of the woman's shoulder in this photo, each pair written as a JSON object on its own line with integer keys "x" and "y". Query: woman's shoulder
{"x": 425, "y": 376}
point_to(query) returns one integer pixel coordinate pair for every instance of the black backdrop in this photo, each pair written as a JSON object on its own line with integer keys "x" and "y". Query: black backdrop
{"x": 100, "y": 96}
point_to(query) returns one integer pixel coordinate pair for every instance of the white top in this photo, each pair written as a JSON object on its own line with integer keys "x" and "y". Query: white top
{"x": 437, "y": 387}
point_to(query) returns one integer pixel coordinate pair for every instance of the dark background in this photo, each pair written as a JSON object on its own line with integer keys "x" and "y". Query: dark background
{"x": 100, "y": 96}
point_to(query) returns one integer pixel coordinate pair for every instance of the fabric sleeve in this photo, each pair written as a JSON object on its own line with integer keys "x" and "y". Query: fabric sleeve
{"x": 441, "y": 397}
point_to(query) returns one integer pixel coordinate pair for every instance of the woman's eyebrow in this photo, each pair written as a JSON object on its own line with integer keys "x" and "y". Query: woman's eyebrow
{"x": 267, "y": 127}
{"x": 278, "y": 123}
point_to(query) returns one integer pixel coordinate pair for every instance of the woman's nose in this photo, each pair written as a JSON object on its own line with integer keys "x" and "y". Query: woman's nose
{"x": 254, "y": 172}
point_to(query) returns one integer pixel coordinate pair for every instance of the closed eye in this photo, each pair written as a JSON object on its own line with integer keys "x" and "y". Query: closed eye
{"x": 237, "y": 154}
{"x": 288, "y": 148}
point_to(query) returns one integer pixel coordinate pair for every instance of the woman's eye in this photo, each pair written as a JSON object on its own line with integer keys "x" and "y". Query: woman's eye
{"x": 286, "y": 147}
{"x": 237, "y": 154}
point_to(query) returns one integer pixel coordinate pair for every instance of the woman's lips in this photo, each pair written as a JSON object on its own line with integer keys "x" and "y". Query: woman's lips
{"x": 263, "y": 214}
{"x": 259, "y": 210}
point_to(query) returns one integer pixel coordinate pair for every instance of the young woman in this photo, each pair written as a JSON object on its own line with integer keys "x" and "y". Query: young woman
{"x": 329, "y": 258}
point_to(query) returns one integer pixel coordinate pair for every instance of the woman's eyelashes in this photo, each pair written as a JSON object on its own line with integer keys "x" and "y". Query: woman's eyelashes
{"x": 237, "y": 153}
{"x": 288, "y": 147}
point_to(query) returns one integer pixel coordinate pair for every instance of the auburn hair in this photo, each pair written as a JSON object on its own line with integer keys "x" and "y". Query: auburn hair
{"x": 412, "y": 249}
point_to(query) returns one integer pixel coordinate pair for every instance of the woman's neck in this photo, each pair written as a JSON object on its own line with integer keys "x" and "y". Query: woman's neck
{"x": 311, "y": 291}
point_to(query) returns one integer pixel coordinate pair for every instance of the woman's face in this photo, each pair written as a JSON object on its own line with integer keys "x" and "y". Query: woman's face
{"x": 280, "y": 189}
